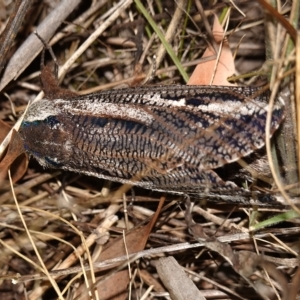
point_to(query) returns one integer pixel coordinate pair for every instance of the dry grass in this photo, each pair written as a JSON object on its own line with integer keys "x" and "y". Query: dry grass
{"x": 62, "y": 235}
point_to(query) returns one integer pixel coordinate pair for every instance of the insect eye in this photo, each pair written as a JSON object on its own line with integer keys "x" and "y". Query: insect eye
{"x": 52, "y": 122}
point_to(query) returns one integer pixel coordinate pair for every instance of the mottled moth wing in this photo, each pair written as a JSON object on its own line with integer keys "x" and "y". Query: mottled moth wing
{"x": 167, "y": 138}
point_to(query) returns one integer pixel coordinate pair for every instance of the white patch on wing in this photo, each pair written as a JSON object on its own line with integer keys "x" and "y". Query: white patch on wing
{"x": 158, "y": 99}
{"x": 231, "y": 108}
{"x": 180, "y": 102}
{"x": 123, "y": 111}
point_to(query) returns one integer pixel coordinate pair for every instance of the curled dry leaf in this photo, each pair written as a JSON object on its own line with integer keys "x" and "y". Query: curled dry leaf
{"x": 216, "y": 68}
{"x": 15, "y": 159}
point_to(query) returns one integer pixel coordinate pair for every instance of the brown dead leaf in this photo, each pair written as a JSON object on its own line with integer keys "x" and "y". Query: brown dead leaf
{"x": 15, "y": 159}
{"x": 218, "y": 70}
{"x": 115, "y": 287}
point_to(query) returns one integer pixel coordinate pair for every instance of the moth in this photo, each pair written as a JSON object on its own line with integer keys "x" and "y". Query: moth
{"x": 163, "y": 138}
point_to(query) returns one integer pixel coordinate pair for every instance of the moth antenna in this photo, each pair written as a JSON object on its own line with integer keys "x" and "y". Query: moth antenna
{"x": 49, "y": 48}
